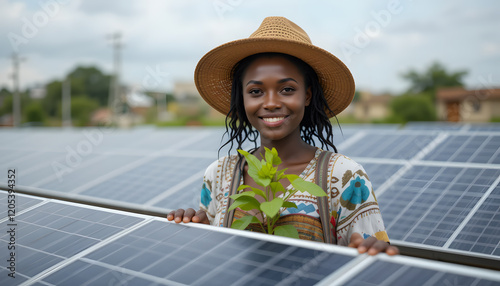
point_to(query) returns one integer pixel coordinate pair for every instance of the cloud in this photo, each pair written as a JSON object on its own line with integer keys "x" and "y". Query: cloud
{"x": 176, "y": 34}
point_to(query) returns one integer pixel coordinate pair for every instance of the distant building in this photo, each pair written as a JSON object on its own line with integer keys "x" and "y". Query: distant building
{"x": 190, "y": 102}
{"x": 371, "y": 107}
{"x": 461, "y": 105}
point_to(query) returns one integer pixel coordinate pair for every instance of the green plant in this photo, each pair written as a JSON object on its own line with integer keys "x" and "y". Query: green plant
{"x": 275, "y": 197}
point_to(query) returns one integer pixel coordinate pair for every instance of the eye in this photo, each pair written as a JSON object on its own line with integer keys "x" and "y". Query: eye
{"x": 255, "y": 91}
{"x": 288, "y": 90}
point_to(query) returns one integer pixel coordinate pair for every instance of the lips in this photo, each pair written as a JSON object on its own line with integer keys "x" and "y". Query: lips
{"x": 273, "y": 121}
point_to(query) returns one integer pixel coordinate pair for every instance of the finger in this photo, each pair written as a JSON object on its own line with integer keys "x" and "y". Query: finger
{"x": 378, "y": 247}
{"x": 201, "y": 217}
{"x": 392, "y": 250}
{"x": 179, "y": 215}
{"x": 188, "y": 215}
{"x": 171, "y": 215}
{"x": 367, "y": 244}
{"x": 356, "y": 240}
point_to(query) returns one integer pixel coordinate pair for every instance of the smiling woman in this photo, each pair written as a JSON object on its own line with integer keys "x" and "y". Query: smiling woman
{"x": 277, "y": 87}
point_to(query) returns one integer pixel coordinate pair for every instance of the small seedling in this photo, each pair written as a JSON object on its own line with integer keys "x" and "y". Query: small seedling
{"x": 276, "y": 198}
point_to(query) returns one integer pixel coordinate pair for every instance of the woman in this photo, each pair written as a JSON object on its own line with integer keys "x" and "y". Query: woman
{"x": 277, "y": 86}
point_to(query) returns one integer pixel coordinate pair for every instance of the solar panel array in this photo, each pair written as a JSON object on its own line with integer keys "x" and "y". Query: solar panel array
{"x": 437, "y": 184}
{"x": 69, "y": 244}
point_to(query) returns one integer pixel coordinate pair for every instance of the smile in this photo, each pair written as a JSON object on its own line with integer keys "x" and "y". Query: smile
{"x": 273, "y": 119}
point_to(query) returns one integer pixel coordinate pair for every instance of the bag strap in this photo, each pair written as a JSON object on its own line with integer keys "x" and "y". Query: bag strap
{"x": 323, "y": 207}
{"x": 238, "y": 170}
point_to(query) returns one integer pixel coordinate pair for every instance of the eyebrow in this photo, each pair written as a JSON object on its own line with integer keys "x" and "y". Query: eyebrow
{"x": 279, "y": 81}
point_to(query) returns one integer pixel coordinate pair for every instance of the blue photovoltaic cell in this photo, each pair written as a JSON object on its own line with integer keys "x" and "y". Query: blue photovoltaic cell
{"x": 482, "y": 232}
{"x": 484, "y": 127}
{"x": 67, "y": 182}
{"x": 427, "y": 204}
{"x": 467, "y": 148}
{"x": 10, "y": 156}
{"x": 21, "y": 202}
{"x": 439, "y": 126}
{"x": 52, "y": 232}
{"x": 149, "y": 180}
{"x": 386, "y": 273}
{"x": 187, "y": 197}
{"x": 379, "y": 173}
{"x": 163, "y": 252}
{"x": 386, "y": 145}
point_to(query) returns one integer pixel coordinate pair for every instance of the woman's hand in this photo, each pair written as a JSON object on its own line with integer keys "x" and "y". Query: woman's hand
{"x": 371, "y": 245}
{"x": 189, "y": 215}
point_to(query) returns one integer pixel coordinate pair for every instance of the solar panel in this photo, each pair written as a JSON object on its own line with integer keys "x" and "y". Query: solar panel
{"x": 90, "y": 168}
{"x": 483, "y": 127}
{"x": 482, "y": 233}
{"x": 52, "y": 232}
{"x": 434, "y": 188}
{"x": 379, "y": 172}
{"x": 388, "y": 146}
{"x": 71, "y": 244}
{"x": 145, "y": 182}
{"x": 441, "y": 126}
{"x": 467, "y": 148}
{"x": 428, "y": 203}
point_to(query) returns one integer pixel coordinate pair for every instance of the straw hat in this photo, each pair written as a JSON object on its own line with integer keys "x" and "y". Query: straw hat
{"x": 213, "y": 76}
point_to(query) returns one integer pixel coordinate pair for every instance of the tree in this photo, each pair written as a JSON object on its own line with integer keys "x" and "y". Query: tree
{"x": 5, "y": 101}
{"x": 51, "y": 103}
{"x": 88, "y": 82}
{"x": 91, "y": 82}
{"x": 34, "y": 112}
{"x": 434, "y": 77}
{"x": 81, "y": 110}
{"x": 407, "y": 108}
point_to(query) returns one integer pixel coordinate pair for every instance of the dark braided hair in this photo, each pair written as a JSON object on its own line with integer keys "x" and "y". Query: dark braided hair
{"x": 316, "y": 122}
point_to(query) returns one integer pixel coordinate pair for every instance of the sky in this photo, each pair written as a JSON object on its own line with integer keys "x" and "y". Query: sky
{"x": 163, "y": 40}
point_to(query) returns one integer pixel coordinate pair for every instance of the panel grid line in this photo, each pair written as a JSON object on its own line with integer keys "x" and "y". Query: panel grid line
{"x": 98, "y": 245}
{"x": 471, "y": 213}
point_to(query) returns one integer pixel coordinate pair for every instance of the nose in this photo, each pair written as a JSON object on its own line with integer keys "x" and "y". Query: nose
{"x": 272, "y": 101}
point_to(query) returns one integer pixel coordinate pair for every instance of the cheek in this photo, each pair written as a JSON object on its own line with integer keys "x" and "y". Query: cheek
{"x": 250, "y": 104}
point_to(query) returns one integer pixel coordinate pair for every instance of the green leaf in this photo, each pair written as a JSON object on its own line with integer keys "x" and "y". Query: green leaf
{"x": 245, "y": 203}
{"x": 269, "y": 155}
{"x": 272, "y": 156}
{"x": 271, "y": 208}
{"x": 281, "y": 174}
{"x": 287, "y": 231}
{"x": 243, "y": 222}
{"x": 265, "y": 171}
{"x": 261, "y": 181}
{"x": 289, "y": 205}
{"x": 277, "y": 187}
{"x": 291, "y": 177}
{"x": 276, "y": 158}
{"x": 254, "y": 164}
{"x": 244, "y": 194}
{"x": 309, "y": 187}
{"x": 255, "y": 191}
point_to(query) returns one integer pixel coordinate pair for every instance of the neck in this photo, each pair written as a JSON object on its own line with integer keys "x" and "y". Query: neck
{"x": 291, "y": 149}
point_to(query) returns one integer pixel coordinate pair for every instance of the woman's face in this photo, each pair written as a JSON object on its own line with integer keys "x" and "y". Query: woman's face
{"x": 275, "y": 97}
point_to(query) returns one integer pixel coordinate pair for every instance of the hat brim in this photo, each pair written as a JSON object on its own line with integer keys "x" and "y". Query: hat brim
{"x": 213, "y": 76}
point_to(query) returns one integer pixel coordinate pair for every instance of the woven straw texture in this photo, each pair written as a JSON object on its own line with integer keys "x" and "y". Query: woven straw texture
{"x": 213, "y": 77}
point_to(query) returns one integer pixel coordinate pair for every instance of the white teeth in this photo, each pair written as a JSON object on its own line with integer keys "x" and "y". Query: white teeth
{"x": 273, "y": 119}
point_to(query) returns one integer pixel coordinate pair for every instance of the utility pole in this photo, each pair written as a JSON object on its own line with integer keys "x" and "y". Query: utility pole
{"x": 66, "y": 102}
{"x": 114, "y": 99}
{"x": 16, "y": 101}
